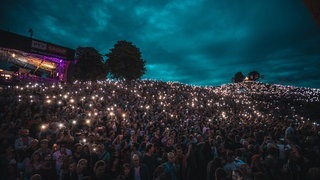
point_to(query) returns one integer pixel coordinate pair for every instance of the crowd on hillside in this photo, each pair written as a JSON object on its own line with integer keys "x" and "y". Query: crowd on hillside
{"x": 148, "y": 130}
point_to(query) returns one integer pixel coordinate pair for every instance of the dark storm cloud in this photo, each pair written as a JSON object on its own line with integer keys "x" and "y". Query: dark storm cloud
{"x": 202, "y": 42}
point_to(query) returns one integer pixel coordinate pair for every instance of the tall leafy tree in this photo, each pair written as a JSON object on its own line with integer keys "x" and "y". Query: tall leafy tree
{"x": 254, "y": 75}
{"x": 238, "y": 77}
{"x": 125, "y": 62}
{"x": 90, "y": 64}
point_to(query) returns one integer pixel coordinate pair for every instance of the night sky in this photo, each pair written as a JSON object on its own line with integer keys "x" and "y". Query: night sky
{"x": 198, "y": 42}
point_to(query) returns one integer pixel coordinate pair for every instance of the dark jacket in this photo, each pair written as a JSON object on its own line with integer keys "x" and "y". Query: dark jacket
{"x": 144, "y": 172}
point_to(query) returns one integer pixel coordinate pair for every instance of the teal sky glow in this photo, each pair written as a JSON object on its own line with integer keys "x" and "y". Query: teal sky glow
{"x": 203, "y": 42}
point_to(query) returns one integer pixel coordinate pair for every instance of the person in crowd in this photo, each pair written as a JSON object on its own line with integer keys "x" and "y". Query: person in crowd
{"x": 191, "y": 160}
{"x": 115, "y": 168}
{"x": 138, "y": 171}
{"x": 36, "y": 177}
{"x": 203, "y": 156}
{"x": 125, "y": 174}
{"x": 100, "y": 171}
{"x": 35, "y": 164}
{"x": 47, "y": 170}
{"x": 33, "y": 147}
{"x": 8, "y": 163}
{"x": 60, "y": 155}
{"x": 65, "y": 136}
{"x": 271, "y": 162}
{"x": 77, "y": 152}
{"x": 24, "y": 142}
{"x": 257, "y": 163}
{"x": 170, "y": 167}
{"x": 44, "y": 149}
{"x": 246, "y": 171}
{"x": 220, "y": 174}
{"x": 230, "y": 164}
{"x": 71, "y": 172}
{"x": 237, "y": 175}
{"x": 82, "y": 169}
{"x": 212, "y": 166}
{"x": 181, "y": 161}
{"x": 150, "y": 159}
{"x": 291, "y": 134}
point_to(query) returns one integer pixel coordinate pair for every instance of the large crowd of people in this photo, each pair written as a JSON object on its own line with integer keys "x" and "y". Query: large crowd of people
{"x": 144, "y": 130}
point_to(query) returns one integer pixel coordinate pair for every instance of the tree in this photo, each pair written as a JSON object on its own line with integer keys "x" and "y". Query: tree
{"x": 254, "y": 75}
{"x": 238, "y": 77}
{"x": 124, "y": 61}
{"x": 90, "y": 65}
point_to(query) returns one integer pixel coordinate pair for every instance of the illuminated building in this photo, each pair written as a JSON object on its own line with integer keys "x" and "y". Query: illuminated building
{"x": 27, "y": 58}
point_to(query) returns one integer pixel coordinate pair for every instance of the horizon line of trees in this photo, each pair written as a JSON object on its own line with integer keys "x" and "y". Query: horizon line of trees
{"x": 124, "y": 62}
{"x": 252, "y": 76}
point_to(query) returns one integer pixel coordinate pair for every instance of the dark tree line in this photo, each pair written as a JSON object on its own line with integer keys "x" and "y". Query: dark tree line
{"x": 124, "y": 61}
{"x": 90, "y": 65}
{"x": 252, "y": 76}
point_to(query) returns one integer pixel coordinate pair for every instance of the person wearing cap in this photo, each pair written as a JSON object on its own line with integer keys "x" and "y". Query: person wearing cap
{"x": 44, "y": 150}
